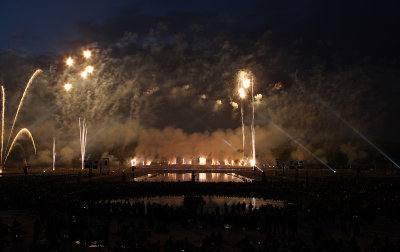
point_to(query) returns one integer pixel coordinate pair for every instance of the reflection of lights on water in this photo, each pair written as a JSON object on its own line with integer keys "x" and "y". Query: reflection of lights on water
{"x": 202, "y": 176}
{"x": 253, "y": 202}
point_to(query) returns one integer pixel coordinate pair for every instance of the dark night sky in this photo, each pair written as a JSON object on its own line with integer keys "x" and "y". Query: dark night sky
{"x": 368, "y": 27}
{"x": 161, "y": 56}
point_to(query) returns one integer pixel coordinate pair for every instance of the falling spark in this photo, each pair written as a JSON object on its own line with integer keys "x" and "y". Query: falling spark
{"x": 3, "y": 93}
{"x": 234, "y": 105}
{"x": 69, "y": 61}
{"x": 87, "y": 54}
{"x": 22, "y": 131}
{"x": 22, "y": 101}
{"x": 242, "y": 94}
{"x": 82, "y": 139}
{"x": 54, "y": 153}
{"x": 67, "y": 86}
{"x": 278, "y": 85}
{"x": 89, "y": 69}
{"x": 84, "y": 74}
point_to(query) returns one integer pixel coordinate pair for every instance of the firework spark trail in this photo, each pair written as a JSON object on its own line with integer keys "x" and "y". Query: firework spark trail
{"x": 22, "y": 101}
{"x": 54, "y": 153}
{"x": 3, "y": 93}
{"x": 253, "y": 133}
{"x": 22, "y": 131}
{"x": 82, "y": 139}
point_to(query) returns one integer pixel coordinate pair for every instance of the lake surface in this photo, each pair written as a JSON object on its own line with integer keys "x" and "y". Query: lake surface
{"x": 199, "y": 177}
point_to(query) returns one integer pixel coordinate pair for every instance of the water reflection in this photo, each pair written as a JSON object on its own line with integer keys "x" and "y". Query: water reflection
{"x": 198, "y": 177}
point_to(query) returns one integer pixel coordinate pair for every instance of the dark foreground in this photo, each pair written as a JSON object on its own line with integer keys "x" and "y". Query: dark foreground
{"x": 74, "y": 213}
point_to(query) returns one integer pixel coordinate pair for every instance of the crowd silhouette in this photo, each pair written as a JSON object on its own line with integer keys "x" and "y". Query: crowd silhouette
{"x": 326, "y": 215}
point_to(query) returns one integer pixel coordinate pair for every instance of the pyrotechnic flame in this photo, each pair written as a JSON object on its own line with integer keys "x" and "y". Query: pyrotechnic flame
{"x": 202, "y": 160}
{"x": 246, "y": 83}
{"x": 22, "y": 131}
{"x": 252, "y": 162}
{"x": 67, "y": 86}
{"x": 133, "y": 162}
{"x": 22, "y": 101}
{"x": 89, "y": 69}
{"x": 3, "y": 108}
{"x": 84, "y": 74}
{"x": 219, "y": 102}
{"x": 148, "y": 163}
{"x": 69, "y": 61}
{"x": 87, "y": 54}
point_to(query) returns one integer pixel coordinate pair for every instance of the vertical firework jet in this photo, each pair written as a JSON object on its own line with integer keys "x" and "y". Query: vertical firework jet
{"x": 3, "y": 95}
{"x": 82, "y": 139}
{"x": 253, "y": 134}
{"x": 22, "y": 101}
{"x": 243, "y": 135}
{"x": 54, "y": 153}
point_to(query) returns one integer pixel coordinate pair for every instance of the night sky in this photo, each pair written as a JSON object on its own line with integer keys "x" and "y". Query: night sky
{"x": 165, "y": 76}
